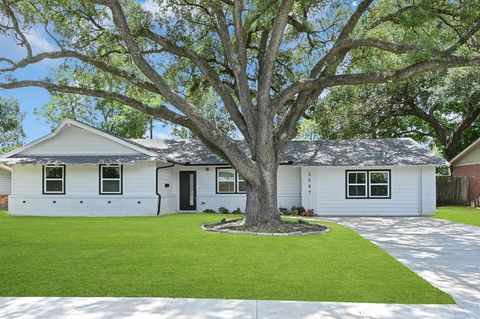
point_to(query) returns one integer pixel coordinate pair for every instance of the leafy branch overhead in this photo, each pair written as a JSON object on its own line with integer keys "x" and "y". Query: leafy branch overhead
{"x": 266, "y": 62}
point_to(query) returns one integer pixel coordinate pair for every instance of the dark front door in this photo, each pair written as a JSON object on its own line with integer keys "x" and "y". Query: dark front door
{"x": 188, "y": 190}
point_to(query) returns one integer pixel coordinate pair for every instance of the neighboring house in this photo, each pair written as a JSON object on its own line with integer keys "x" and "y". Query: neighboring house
{"x": 467, "y": 163}
{"x": 79, "y": 170}
{"x": 5, "y": 185}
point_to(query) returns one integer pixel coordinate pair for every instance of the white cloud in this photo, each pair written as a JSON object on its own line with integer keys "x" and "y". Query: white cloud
{"x": 150, "y": 6}
{"x": 39, "y": 41}
{"x": 157, "y": 7}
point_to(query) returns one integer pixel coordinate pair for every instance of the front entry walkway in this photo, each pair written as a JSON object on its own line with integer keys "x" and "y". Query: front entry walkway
{"x": 444, "y": 253}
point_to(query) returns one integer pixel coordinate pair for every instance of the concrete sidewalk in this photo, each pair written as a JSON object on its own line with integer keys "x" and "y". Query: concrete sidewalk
{"x": 96, "y": 308}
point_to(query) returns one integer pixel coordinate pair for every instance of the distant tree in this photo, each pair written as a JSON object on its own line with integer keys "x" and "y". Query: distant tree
{"x": 11, "y": 129}
{"x": 111, "y": 116}
{"x": 441, "y": 107}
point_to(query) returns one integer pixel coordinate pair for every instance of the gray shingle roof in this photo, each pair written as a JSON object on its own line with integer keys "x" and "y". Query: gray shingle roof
{"x": 45, "y": 160}
{"x": 366, "y": 152}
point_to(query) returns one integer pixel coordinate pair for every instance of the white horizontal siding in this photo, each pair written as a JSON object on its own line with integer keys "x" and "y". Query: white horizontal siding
{"x": 73, "y": 140}
{"x": 471, "y": 158}
{"x": 288, "y": 189}
{"x": 429, "y": 192}
{"x": 328, "y": 193}
{"x": 323, "y": 190}
{"x": 82, "y": 192}
{"x": 5, "y": 182}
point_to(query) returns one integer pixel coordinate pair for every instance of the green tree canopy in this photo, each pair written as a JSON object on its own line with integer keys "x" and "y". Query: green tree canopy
{"x": 11, "y": 129}
{"x": 441, "y": 108}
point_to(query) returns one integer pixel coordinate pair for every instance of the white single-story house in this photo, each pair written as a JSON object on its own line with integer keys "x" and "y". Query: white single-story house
{"x": 78, "y": 170}
{"x": 5, "y": 185}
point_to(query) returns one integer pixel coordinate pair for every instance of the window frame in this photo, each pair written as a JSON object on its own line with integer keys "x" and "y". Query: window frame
{"x": 388, "y": 183}
{"x": 348, "y": 184}
{"x": 217, "y": 180}
{"x": 45, "y": 179}
{"x": 101, "y": 179}
{"x": 236, "y": 182}
{"x": 368, "y": 183}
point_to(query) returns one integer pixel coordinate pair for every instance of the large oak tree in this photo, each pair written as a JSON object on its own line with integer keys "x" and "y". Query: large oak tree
{"x": 267, "y": 61}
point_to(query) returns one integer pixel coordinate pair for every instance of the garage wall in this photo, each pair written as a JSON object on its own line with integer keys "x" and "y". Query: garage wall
{"x": 412, "y": 192}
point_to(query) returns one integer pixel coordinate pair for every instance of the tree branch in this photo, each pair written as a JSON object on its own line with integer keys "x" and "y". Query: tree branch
{"x": 376, "y": 77}
{"x": 16, "y": 27}
{"x": 269, "y": 58}
{"x": 161, "y": 112}
{"x": 209, "y": 72}
{"x": 205, "y": 128}
{"x": 287, "y": 127}
{"x": 239, "y": 69}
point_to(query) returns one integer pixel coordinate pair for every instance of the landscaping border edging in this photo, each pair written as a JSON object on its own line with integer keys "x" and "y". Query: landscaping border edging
{"x": 229, "y": 231}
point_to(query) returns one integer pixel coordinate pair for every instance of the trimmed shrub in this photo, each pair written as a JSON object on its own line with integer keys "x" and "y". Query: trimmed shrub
{"x": 284, "y": 211}
{"x": 223, "y": 210}
{"x": 307, "y": 213}
{"x": 209, "y": 211}
{"x": 299, "y": 209}
{"x": 237, "y": 211}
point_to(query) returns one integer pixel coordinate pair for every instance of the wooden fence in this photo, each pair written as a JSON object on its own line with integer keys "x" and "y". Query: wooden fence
{"x": 452, "y": 190}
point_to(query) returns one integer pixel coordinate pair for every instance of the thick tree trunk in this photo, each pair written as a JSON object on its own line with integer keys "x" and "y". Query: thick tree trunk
{"x": 261, "y": 206}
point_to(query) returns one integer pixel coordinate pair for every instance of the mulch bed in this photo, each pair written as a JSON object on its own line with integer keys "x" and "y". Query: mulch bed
{"x": 299, "y": 227}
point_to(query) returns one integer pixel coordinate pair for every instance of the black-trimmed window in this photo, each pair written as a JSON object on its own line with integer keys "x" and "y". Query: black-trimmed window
{"x": 111, "y": 179}
{"x": 229, "y": 182}
{"x": 241, "y": 185}
{"x": 54, "y": 179}
{"x": 368, "y": 184}
{"x": 356, "y": 184}
{"x": 379, "y": 184}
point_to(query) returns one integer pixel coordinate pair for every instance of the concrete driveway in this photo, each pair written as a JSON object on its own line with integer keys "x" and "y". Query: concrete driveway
{"x": 446, "y": 254}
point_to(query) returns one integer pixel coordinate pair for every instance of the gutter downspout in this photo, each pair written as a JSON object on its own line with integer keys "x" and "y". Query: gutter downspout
{"x": 156, "y": 186}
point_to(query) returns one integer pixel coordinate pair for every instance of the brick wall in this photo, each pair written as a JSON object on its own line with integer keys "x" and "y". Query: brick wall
{"x": 3, "y": 201}
{"x": 473, "y": 172}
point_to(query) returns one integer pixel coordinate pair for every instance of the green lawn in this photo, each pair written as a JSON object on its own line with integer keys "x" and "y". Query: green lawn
{"x": 459, "y": 214}
{"x": 171, "y": 256}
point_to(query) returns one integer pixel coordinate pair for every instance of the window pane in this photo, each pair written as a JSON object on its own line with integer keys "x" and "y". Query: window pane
{"x": 226, "y": 175}
{"x": 356, "y": 178}
{"x": 54, "y": 172}
{"x": 192, "y": 189}
{"x": 379, "y": 190}
{"x": 226, "y": 187}
{"x": 54, "y": 186}
{"x": 111, "y": 186}
{"x": 242, "y": 187}
{"x": 111, "y": 171}
{"x": 379, "y": 177}
{"x": 356, "y": 190}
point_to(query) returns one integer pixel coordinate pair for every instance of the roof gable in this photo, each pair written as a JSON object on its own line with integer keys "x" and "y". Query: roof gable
{"x": 74, "y": 138}
{"x": 470, "y": 155}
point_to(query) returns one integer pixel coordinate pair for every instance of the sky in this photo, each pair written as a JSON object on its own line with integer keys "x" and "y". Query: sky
{"x": 33, "y": 98}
